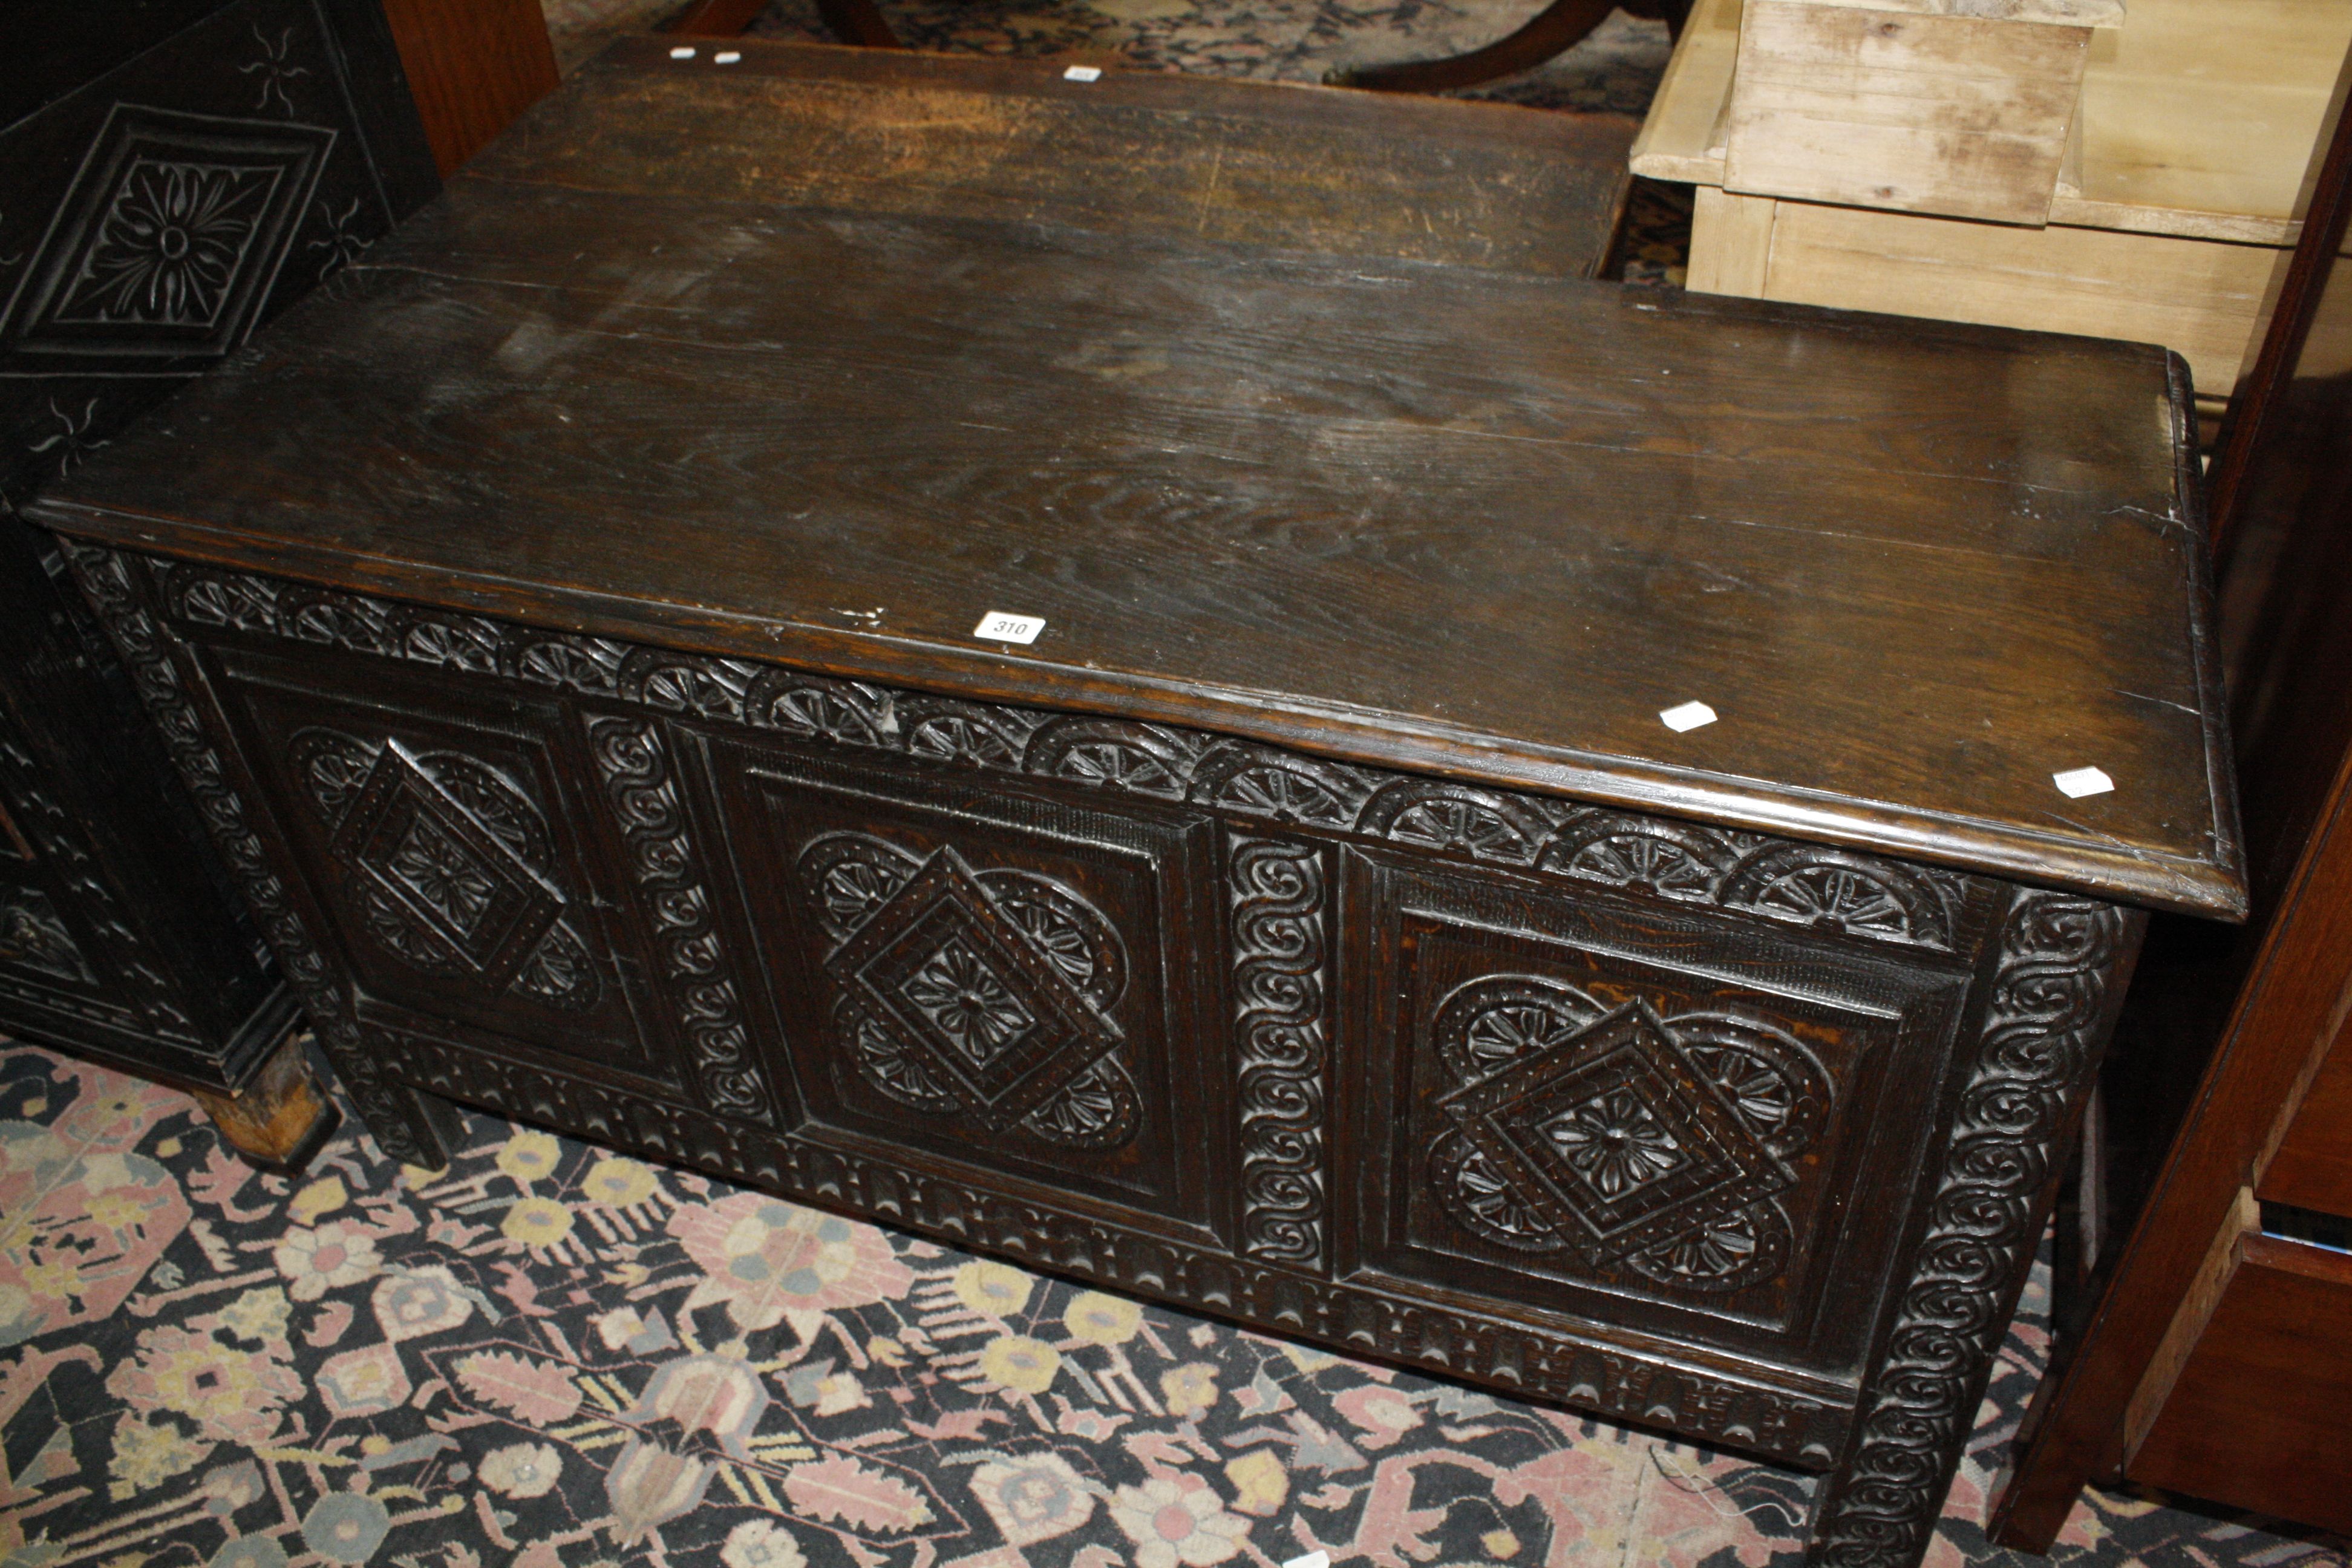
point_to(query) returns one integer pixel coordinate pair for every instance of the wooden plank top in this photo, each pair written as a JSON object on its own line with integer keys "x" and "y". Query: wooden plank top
{"x": 1444, "y": 518}
{"x": 1173, "y": 157}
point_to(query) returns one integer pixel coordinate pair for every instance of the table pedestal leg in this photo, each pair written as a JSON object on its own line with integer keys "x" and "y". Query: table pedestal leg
{"x": 1558, "y": 28}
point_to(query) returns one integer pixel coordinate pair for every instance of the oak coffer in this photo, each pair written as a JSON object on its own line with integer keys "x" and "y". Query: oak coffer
{"x": 1581, "y": 837}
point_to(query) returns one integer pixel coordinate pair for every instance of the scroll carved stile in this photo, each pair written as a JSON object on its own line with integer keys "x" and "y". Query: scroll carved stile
{"x": 2052, "y": 992}
{"x": 1282, "y": 1034}
{"x": 633, "y": 760}
{"x": 105, "y": 577}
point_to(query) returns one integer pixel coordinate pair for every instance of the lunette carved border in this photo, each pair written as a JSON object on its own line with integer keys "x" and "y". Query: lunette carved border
{"x": 1776, "y": 1423}
{"x": 2059, "y": 961}
{"x": 1861, "y": 895}
{"x": 1282, "y": 1040}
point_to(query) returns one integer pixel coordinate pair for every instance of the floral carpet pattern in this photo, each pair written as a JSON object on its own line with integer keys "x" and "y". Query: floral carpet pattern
{"x": 549, "y": 1356}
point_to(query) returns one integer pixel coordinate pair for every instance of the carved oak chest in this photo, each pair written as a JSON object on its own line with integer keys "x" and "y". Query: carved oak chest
{"x": 1483, "y": 819}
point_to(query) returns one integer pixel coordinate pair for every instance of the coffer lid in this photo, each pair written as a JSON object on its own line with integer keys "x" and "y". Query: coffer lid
{"x": 1934, "y": 583}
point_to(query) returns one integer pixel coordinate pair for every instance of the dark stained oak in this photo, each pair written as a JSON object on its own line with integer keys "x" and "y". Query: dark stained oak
{"x": 1135, "y": 153}
{"x": 569, "y": 630}
{"x": 1913, "y": 598}
{"x": 289, "y": 123}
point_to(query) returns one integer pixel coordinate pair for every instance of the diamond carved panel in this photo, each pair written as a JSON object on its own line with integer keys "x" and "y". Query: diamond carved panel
{"x": 420, "y": 848}
{"x": 167, "y": 243}
{"x": 991, "y": 1017}
{"x": 1625, "y": 1139}
{"x": 984, "y": 994}
{"x": 1614, "y": 1133}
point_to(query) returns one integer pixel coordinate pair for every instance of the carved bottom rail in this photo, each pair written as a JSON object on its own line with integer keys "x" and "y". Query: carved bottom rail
{"x": 1700, "y": 1404}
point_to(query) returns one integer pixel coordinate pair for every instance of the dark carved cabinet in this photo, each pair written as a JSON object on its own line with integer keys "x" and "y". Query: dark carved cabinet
{"x": 172, "y": 173}
{"x": 1329, "y": 915}
{"x": 1573, "y": 1100}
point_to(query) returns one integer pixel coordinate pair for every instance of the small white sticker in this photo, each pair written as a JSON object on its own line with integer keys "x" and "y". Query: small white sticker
{"x": 998, "y": 627}
{"x": 1094, "y": 73}
{"x": 726, "y": 57}
{"x": 1688, "y": 716}
{"x": 2076, "y": 782}
{"x": 1312, "y": 1560}
{"x": 681, "y": 53}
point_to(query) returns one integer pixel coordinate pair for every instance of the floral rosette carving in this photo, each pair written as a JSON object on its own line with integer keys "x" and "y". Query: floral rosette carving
{"x": 447, "y": 863}
{"x": 984, "y": 994}
{"x": 1620, "y": 1140}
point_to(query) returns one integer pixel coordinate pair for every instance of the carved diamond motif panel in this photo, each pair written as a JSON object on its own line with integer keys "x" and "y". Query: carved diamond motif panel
{"x": 443, "y": 856}
{"x": 168, "y": 241}
{"x": 1619, "y": 1137}
{"x": 984, "y": 994}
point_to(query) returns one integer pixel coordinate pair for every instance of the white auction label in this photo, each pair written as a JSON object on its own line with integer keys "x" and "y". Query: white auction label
{"x": 1312, "y": 1560}
{"x": 2076, "y": 782}
{"x": 1686, "y": 716}
{"x": 1083, "y": 73}
{"x": 998, "y": 627}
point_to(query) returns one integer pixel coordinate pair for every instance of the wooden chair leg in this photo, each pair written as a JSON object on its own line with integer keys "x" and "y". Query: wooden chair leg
{"x": 279, "y": 1120}
{"x": 851, "y": 21}
{"x": 1557, "y": 27}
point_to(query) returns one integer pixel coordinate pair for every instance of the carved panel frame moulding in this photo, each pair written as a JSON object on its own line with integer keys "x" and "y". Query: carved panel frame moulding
{"x": 2050, "y": 969}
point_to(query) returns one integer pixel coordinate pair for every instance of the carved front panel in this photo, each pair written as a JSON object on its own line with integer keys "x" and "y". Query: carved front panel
{"x": 1650, "y": 1116}
{"x": 1017, "y": 984}
{"x": 1629, "y": 1113}
{"x": 442, "y": 844}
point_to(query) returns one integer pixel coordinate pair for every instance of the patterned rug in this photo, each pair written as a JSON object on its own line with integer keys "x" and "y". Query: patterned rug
{"x": 549, "y": 1356}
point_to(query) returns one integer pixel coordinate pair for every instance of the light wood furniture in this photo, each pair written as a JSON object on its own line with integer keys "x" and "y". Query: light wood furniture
{"x": 2217, "y": 1360}
{"x": 580, "y": 630}
{"x": 1910, "y": 105}
{"x": 2174, "y": 197}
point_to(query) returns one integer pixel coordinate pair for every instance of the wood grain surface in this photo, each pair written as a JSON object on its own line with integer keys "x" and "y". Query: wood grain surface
{"x": 2256, "y": 1417}
{"x": 1440, "y": 517}
{"x": 1956, "y": 115}
{"x": 1191, "y": 158}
